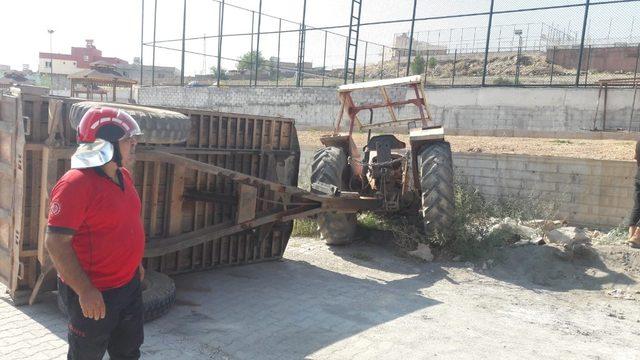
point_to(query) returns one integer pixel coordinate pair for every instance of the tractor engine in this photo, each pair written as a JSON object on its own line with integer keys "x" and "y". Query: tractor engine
{"x": 387, "y": 170}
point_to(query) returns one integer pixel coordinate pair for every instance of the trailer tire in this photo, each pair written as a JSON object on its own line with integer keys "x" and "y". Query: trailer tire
{"x": 328, "y": 165}
{"x": 158, "y": 125}
{"x": 158, "y": 296}
{"x": 436, "y": 183}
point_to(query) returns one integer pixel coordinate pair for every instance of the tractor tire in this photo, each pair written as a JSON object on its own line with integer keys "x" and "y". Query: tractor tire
{"x": 328, "y": 165}
{"x": 158, "y": 126}
{"x": 158, "y": 296}
{"x": 436, "y": 185}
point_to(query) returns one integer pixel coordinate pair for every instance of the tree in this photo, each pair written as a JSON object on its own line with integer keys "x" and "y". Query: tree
{"x": 432, "y": 63}
{"x": 223, "y": 73}
{"x": 248, "y": 61}
{"x": 417, "y": 66}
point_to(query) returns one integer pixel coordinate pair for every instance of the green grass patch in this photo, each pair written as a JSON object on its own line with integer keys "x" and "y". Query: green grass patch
{"x": 470, "y": 235}
{"x": 560, "y": 141}
{"x": 305, "y": 228}
{"x": 371, "y": 221}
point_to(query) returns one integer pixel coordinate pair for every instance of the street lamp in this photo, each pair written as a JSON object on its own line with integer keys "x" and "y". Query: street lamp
{"x": 518, "y": 58}
{"x": 51, "y": 31}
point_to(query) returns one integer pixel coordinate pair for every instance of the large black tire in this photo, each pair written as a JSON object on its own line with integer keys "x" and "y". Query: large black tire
{"x": 328, "y": 166}
{"x": 436, "y": 183}
{"x": 158, "y": 295}
{"x": 159, "y": 126}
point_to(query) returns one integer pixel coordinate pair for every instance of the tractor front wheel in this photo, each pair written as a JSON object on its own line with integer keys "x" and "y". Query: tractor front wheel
{"x": 436, "y": 183}
{"x": 328, "y": 166}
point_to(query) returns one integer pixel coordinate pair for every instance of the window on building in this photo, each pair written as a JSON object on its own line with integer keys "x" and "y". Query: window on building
{"x": 86, "y": 58}
{"x": 47, "y": 64}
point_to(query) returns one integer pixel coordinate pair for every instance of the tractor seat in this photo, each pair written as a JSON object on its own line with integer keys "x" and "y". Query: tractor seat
{"x": 390, "y": 142}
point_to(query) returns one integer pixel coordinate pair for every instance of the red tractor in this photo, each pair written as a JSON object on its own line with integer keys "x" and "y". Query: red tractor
{"x": 417, "y": 177}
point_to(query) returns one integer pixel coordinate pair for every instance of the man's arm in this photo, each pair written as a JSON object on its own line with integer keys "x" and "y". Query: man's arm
{"x": 67, "y": 264}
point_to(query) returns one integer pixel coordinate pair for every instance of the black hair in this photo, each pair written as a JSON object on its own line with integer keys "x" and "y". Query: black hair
{"x": 112, "y": 133}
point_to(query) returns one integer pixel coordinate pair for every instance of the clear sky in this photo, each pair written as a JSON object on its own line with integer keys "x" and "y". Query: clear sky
{"x": 115, "y": 26}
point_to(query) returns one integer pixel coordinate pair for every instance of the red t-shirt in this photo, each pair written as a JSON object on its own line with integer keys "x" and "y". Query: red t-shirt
{"x": 108, "y": 236}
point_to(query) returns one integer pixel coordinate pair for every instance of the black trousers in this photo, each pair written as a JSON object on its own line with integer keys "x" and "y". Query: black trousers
{"x": 120, "y": 332}
{"x": 634, "y": 217}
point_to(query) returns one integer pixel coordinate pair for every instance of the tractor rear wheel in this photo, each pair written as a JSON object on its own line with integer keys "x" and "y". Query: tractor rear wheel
{"x": 328, "y": 166}
{"x": 436, "y": 183}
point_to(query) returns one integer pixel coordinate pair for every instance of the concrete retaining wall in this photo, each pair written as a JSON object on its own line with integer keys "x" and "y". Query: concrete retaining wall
{"x": 587, "y": 192}
{"x": 549, "y": 112}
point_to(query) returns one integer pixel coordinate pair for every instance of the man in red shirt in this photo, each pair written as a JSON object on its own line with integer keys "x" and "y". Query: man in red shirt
{"x": 96, "y": 239}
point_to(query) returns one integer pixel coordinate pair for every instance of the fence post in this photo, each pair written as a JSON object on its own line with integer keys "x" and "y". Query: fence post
{"x": 586, "y": 73}
{"x": 398, "y": 70}
{"x": 413, "y": 23}
{"x": 253, "y": 14}
{"x": 486, "y": 49}
{"x": 255, "y": 81}
{"x": 220, "y": 24}
{"x": 141, "y": 47}
{"x": 278, "y": 61}
{"x": 635, "y": 73}
{"x": 324, "y": 58}
{"x": 635, "y": 88}
{"x": 584, "y": 32}
{"x": 553, "y": 63}
{"x": 302, "y": 34}
{"x": 184, "y": 29}
{"x": 426, "y": 67}
{"x": 382, "y": 63}
{"x": 455, "y": 60}
{"x": 541, "y": 36}
{"x": 153, "y": 53}
{"x": 364, "y": 68}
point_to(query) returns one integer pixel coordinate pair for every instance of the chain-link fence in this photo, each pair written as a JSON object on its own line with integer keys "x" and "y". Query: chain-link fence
{"x": 450, "y": 43}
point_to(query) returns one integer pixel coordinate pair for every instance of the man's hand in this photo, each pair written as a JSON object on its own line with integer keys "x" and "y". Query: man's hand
{"x": 67, "y": 264}
{"x": 92, "y": 304}
{"x": 141, "y": 271}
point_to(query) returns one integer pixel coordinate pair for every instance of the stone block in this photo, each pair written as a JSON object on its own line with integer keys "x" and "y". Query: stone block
{"x": 542, "y": 166}
{"x": 483, "y": 163}
{"x": 582, "y": 169}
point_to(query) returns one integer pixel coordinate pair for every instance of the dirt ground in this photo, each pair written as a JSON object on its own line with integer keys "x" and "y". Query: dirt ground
{"x": 575, "y": 148}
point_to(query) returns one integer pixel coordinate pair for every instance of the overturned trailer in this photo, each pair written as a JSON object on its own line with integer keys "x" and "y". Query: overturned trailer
{"x": 217, "y": 189}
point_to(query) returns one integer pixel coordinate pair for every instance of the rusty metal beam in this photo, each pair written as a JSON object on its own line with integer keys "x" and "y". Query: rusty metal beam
{"x": 357, "y": 109}
{"x": 382, "y": 124}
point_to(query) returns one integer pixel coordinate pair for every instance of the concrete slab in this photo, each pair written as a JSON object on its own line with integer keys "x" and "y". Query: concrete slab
{"x": 363, "y": 301}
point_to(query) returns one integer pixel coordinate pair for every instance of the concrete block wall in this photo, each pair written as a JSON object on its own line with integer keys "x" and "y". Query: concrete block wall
{"x": 494, "y": 111}
{"x": 529, "y": 111}
{"x": 587, "y": 192}
{"x": 311, "y": 106}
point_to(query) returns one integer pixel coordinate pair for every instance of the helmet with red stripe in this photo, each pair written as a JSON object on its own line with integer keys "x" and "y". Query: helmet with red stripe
{"x": 99, "y": 131}
{"x": 99, "y": 117}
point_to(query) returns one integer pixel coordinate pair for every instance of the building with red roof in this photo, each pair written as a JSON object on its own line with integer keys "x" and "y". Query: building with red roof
{"x": 80, "y": 58}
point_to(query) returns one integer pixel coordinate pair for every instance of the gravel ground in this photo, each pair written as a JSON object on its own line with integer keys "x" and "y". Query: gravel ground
{"x": 575, "y": 148}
